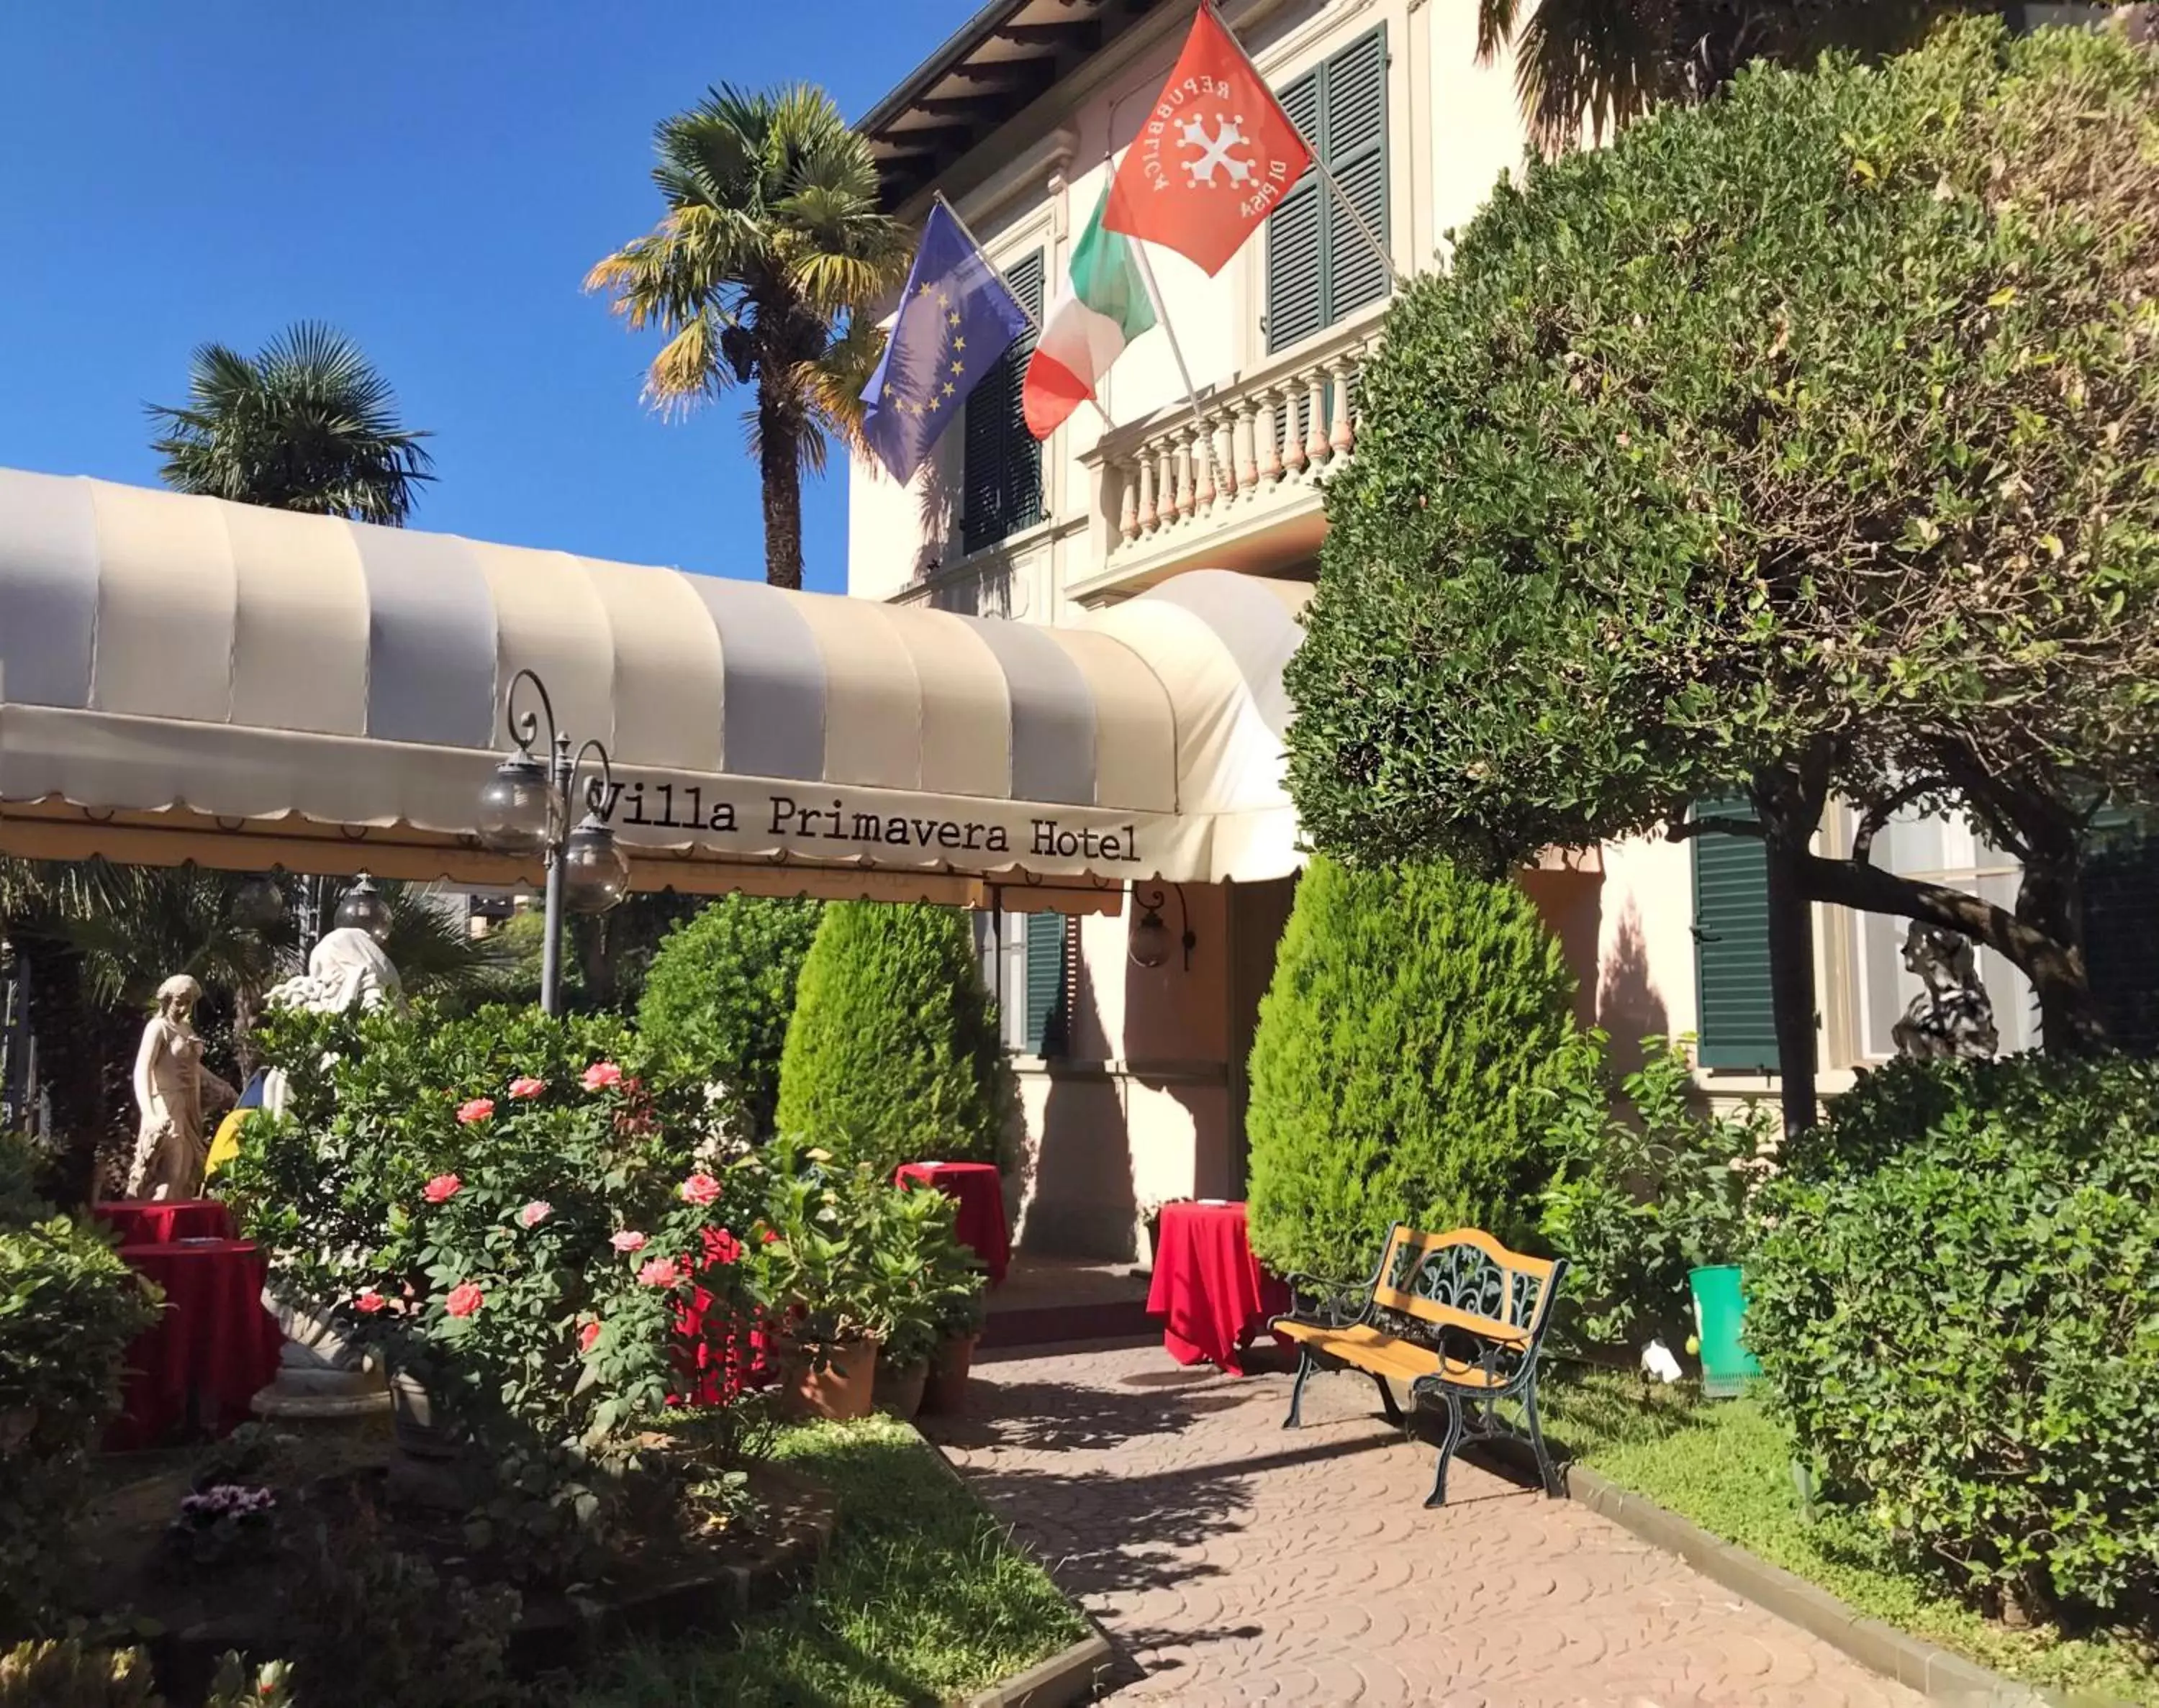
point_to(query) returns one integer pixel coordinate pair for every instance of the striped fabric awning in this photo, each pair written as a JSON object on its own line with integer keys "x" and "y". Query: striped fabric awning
{"x": 183, "y": 678}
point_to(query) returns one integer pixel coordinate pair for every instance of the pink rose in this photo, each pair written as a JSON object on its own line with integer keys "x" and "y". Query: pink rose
{"x": 588, "y": 1337}
{"x": 367, "y": 1302}
{"x": 464, "y": 1299}
{"x": 601, "y": 1075}
{"x": 699, "y": 1189}
{"x": 721, "y": 1246}
{"x": 628, "y": 1239}
{"x": 661, "y": 1272}
{"x": 534, "y": 1213}
{"x": 441, "y": 1189}
{"x": 527, "y": 1086}
{"x": 478, "y": 1110}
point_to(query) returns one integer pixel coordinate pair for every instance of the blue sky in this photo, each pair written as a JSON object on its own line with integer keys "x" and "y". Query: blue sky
{"x": 431, "y": 176}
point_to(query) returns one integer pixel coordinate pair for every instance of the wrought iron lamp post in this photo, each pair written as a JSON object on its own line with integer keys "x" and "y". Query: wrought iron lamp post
{"x": 1150, "y": 942}
{"x": 523, "y": 810}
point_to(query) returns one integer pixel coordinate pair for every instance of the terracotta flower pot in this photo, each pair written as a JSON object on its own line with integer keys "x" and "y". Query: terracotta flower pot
{"x": 899, "y": 1390}
{"x": 840, "y": 1390}
{"x": 946, "y": 1389}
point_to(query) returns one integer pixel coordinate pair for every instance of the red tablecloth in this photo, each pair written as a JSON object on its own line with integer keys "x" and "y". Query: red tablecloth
{"x": 213, "y": 1348}
{"x": 979, "y": 1192}
{"x": 148, "y": 1222}
{"x": 1209, "y": 1285}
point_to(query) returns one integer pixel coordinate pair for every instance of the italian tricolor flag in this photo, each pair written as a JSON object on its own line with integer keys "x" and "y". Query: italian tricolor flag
{"x": 1105, "y": 309}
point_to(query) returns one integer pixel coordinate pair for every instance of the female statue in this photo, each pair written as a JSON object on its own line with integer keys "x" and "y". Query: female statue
{"x": 170, "y": 1080}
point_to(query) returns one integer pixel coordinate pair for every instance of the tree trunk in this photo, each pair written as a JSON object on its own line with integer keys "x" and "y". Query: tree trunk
{"x": 1792, "y": 988}
{"x": 779, "y": 467}
{"x": 2050, "y": 899}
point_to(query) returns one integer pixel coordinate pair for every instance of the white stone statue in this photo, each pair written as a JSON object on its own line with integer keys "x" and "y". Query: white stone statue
{"x": 347, "y": 969}
{"x": 171, "y": 1145}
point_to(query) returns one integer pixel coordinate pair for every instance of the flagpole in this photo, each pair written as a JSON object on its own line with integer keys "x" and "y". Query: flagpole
{"x": 1033, "y": 324}
{"x": 1356, "y": 218}
{"x": 1176, "y": 349}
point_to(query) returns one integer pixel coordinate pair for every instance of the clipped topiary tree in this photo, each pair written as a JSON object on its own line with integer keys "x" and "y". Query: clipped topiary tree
{"x": 719, "y": 996}
{"x": 893, "y": 1054}
{"x": 1416, "y": 1014}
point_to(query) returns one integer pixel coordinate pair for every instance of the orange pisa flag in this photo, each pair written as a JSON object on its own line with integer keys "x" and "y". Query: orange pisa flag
{"x": 1214, "y": 155}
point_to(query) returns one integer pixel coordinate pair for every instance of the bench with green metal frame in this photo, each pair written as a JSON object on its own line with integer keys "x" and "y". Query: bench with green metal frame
{"x": 1456, "y": 1318}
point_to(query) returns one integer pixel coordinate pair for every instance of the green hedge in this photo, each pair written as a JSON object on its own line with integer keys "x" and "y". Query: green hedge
{"x": 719, "y": 996}
{"x": 1952, "y": 1303}
{"x": 893, "y": 1054}
{"x": 69, "y": 1307}
{"x": 1397, "y": 1073}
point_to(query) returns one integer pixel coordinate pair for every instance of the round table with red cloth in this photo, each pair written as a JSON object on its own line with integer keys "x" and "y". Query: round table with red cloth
{"x": 160, "y": 1221}
{"x": 212, "y": 1349}
{"x": 979, "y": 1190}
{"x": 1210, "y": 1286}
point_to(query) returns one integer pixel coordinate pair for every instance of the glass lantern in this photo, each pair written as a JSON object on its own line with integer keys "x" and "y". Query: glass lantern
{"x": 519, "y": 809}
{"x": 595, "y": 871}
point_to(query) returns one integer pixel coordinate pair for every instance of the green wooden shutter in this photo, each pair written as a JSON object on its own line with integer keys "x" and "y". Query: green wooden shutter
{"x": 1297, "y": 304}
{"x": 1319, "y": 267}
{"x": 1045, "y": 983}
{"x": 1001, "y": 487}
{"x": 2121, "y": 926}
{"x": 1737, "y": 1026}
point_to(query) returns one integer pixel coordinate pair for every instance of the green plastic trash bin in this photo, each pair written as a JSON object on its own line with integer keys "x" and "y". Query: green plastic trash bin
{"x": 1720, "y": 1309}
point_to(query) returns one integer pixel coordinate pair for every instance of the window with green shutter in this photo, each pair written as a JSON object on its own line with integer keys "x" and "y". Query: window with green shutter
{"x": 1319, "y": 266}
{"x": 1046, "y": 935}
{"x": 1001, "y": 485}
{"x": 1735, "y": 1026}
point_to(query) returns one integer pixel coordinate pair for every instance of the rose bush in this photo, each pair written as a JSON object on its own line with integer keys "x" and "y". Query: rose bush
{"x": 512, "y": 1214}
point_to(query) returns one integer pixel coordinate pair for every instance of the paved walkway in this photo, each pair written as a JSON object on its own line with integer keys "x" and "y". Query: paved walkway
{"x": 1236, "y": 1562}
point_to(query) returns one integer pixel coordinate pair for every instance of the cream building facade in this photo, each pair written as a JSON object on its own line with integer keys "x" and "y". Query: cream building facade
{"x": 1133, "y": 1074}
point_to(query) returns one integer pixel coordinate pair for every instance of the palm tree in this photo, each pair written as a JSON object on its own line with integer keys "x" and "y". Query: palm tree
{"x": 308, "y": 424}
{"x": 772, "y": 246}
{"x": 1591, "y": 66}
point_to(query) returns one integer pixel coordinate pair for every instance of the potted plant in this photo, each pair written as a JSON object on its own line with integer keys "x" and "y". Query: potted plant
{"x": 813, "y": 1263}
{"x": 915, "y": 1256}
{"x": 955, "y": 1286}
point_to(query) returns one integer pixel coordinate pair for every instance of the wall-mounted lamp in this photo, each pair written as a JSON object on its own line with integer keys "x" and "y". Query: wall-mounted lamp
{"x": 1150, "y": 939}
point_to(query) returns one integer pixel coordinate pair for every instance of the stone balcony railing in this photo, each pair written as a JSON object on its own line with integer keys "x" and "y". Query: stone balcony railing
{"x": 1247, "y": 464}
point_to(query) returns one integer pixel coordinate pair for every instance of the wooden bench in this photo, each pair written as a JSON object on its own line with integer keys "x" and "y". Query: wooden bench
{"x": 1456, "y": 1318}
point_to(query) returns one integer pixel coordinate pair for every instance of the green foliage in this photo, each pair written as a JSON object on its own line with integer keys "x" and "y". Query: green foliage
{"x": 1815, "y": 423}
{"x": 1955, "y": 1317}
{"x": 924, "y": 1597}
{"x": 67, "y": 1675}
{"x": 1726, "y": 1465}
{"x": 718, "y": 998}
{"x": 377, "y": 1627}
{"x": 1416, "y": 1015}
{"x": 512, "y": 1216}
{"x": 68, "y": 1308}
{"x": 308, "y": 424}
{"x": 893, "y": 1055}
{"x": 1643, "y": 1193}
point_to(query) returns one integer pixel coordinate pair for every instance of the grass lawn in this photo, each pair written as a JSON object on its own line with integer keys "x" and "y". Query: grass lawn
{"x": 922, "y": 1599}
{"x": 1726, "y": 1466}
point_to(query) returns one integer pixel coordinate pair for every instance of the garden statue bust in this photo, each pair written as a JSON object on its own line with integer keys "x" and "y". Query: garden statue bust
{"x": 1952, "y": 1017}
{"x": 170, "y": 1077}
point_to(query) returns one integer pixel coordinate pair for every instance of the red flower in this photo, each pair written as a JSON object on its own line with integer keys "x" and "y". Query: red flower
{"x": 771, "y": 1236}
{"x": 588, "y": 1337}
{"x": 721, "y": 1246}
{"x": 661, "y": 1272}
{"x": 534, "y": 1213}
{"x": 479, "y": 1108}
{"x": 627, "y": 1240}
{"x": 699, "y": 1189}
{"x": 601, "y": 1075}
{"x": 441, "y": 1189}
{"x": 527, "y": 1086}
{"x": 367, "y": 1302}
{"x": 464, "y": 1299}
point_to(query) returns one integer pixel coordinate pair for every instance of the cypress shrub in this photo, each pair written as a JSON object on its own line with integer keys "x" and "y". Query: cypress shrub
{"x": 1397, "y": 1073}
{"x": 719, "y": 996}
{"x": 893, "y": 1054}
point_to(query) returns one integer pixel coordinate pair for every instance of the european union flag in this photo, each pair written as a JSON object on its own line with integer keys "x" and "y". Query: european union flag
{"x": 957, "y": 317}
